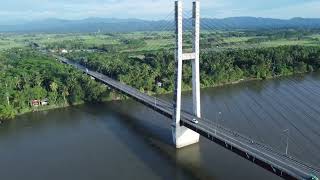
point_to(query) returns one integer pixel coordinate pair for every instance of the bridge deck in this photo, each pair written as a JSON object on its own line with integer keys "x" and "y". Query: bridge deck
{"x": 284, "y": 166}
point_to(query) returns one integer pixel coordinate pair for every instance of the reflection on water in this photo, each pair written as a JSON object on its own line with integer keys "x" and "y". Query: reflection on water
{"x": 125, "y": 140}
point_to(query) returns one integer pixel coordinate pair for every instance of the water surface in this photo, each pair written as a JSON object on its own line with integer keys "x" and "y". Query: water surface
{"x": 126, "y": 140}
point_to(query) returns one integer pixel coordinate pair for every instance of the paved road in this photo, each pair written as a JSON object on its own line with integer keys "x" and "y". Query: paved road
{"x": 282, "y": 165}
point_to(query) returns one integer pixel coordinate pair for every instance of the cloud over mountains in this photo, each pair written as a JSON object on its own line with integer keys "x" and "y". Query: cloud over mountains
{"x": 26, "y": 10}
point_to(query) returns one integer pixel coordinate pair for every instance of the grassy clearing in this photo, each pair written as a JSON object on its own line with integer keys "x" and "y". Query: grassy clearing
{"x": 237, "y": 39}
{"x": 154, "y": 40}
{"x": 284, "y": 42}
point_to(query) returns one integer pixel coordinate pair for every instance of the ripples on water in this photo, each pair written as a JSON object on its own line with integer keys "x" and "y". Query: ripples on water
{"x": 125, "y": 140}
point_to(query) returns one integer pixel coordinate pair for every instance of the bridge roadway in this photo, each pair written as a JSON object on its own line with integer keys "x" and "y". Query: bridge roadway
{"x": 280, "y": 164}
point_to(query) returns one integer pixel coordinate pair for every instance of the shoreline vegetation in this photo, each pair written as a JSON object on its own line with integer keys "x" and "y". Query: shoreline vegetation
{"x": 121, "y": 98}
{"x": 118, "y": 97}
{"x": 27, "y": 74}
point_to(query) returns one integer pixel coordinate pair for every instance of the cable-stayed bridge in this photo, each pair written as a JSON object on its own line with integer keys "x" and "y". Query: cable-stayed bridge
{"x": 188, "y": 126}
{"x": 278, "y": 163}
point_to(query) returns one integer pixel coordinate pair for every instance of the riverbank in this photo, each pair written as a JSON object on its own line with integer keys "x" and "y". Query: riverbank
{"x": 114, "y": 96}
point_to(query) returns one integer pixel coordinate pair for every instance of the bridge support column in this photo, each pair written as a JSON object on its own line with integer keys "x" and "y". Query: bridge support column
{"x": 183, "y": 136}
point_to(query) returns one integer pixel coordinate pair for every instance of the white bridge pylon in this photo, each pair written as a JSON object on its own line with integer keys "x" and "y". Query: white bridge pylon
{"x": 183, "y": 136}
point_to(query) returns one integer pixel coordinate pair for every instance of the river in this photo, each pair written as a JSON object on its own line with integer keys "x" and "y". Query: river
{"x": 126, "y": 140}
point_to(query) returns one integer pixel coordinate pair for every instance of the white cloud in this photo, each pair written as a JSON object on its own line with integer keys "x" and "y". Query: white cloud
{"x": 153, "y": 9}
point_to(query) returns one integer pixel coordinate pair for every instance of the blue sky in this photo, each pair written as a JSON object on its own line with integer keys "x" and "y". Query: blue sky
{"x": 28, "y": 10}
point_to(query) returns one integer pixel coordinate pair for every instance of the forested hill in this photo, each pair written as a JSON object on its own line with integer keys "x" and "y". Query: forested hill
{"x": 129, "y": 25}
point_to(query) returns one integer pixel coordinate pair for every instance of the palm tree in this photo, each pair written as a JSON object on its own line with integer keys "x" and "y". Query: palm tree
{"x": 65, "y": 93}
{"x": 54, "y": 87}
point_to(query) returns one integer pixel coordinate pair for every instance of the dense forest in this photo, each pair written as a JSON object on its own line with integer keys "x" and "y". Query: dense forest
{"x": 28, "y": 75}
{"x": 217, "y": 68}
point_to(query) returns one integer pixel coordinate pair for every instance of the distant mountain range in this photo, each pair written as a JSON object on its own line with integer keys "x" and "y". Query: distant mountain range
{"x": 128, "y": 25}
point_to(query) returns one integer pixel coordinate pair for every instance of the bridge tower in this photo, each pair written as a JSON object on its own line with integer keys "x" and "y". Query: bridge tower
{"x": 183, "y": 136}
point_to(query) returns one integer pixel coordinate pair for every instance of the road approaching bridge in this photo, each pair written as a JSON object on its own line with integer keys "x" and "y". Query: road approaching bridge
{"x": 280, "y": 164}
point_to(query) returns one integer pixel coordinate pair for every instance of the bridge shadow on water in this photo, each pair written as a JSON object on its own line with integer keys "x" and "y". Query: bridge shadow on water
{"x": 151, "y": 141}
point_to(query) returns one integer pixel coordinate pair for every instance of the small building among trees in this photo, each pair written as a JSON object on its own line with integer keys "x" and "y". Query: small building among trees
{"x": 37, "y": 103}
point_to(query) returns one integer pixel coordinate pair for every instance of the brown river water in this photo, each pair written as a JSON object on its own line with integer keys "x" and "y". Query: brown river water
{"x": 126, "y": 140}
